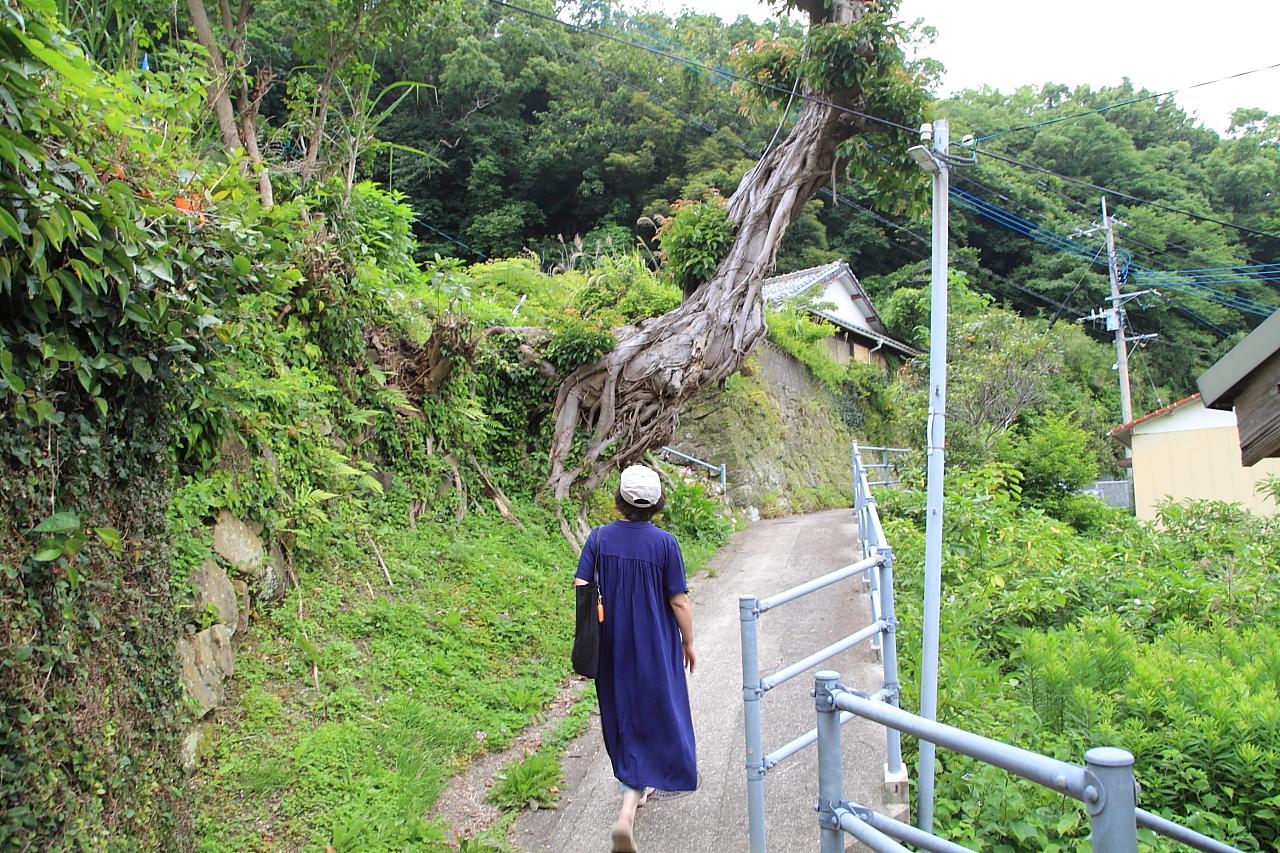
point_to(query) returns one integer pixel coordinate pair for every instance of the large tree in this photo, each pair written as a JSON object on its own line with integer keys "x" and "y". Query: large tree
{"x": 850, "y": 74}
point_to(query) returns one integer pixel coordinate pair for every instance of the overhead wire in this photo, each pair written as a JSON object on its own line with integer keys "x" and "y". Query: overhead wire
{"x": 887, "y": 122}
{"x": 1119, "y": 193}
{"x": 835, "y": 196}
{"x": 1124, "y": 103}
{"x": 452, "y": 239}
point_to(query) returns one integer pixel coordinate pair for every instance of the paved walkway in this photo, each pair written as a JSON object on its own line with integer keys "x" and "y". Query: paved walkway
{"x": 765, "y": 558}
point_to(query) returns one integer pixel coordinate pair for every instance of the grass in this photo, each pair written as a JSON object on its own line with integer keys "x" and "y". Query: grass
{"x": 354, "y": 703}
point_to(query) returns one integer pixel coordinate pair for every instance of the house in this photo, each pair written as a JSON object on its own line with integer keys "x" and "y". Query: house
{"x": 1247, "y": 380}
{"x": 1186, "y": 450}
{"x": 837, "y": 298}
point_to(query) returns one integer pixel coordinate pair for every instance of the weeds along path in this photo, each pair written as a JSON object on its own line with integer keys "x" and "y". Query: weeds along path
{"x": 765, "y": 558}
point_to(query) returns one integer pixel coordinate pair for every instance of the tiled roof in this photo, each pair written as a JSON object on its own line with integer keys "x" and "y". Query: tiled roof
{"x": 869, "y": 333}
{"x": 780, "y": 288}
{"x": 1164, "y": 410}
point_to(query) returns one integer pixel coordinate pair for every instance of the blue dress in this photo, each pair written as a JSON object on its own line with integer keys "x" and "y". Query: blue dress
{"x": 644, "y": 700}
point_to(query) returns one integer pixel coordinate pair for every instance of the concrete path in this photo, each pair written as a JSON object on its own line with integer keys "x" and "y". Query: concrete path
{"x": 765, "y": 558}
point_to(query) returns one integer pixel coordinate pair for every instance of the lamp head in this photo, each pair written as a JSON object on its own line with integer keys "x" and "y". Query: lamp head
{"x": 924, "y": 159}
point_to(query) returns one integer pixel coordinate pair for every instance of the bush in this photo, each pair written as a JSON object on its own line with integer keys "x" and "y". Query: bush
{"x": 692, "y": 514}
{"x": 1055, "y": 460}
{"x": 694, "y": 238}
{"x": 1160, "y": 641}
{"x": 795, "y": 331}
{"x": 621, "y": 289}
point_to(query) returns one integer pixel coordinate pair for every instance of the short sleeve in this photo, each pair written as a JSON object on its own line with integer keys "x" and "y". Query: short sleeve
{"x": 587, "y": 559}
{"x": 673, "y": 581}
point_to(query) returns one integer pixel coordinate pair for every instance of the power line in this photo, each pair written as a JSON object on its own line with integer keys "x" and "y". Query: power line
{"x": 452, "y": 239}
{"x": 1047, "y": 236}
{"x": 1124, "y": 103}
{"x": 699, "y": 65}
{"x": 1121, "y": 194}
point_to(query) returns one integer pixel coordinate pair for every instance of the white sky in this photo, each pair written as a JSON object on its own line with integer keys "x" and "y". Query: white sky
{"x": 1159, "y": 44}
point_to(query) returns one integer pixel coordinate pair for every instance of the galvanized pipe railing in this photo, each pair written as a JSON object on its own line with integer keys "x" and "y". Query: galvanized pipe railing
{"x": 720, "y": 469}
{"x": 875, "y": 561}
{"x": 1105, "y": 782}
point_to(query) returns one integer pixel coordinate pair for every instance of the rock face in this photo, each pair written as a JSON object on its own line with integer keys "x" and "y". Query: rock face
{"x": 207, "y": 661}
{"x": 777, "y": 430}
{"x": 238, "y": 543}
{"x": 214, "y": 590}
{"x": 241, "y": 545}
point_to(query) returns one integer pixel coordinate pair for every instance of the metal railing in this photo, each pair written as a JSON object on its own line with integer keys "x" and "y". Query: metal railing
{"x": 877, "y": 565}
{"x": 886, "y": 474}
{"x": 1104, "y": 783}
{"x": 720, "y": 469}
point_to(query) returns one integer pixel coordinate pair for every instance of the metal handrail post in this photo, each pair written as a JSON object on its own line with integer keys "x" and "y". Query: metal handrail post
{"x": 1112, "y": 803}
{"x": 724, "y": 481}
{"x": 748, "y": 614}
{"x": 889, "y": 657}
{"x": 853, "y": 478}
{"x": 830, "y": 762}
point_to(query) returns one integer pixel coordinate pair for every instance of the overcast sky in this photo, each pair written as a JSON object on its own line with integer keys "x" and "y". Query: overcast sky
{"x": 1158, "y": 44}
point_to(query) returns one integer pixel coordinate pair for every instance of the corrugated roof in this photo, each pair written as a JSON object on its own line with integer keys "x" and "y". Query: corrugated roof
{"x": 1150, "y": 416}
{"x": 1222, "y": 382}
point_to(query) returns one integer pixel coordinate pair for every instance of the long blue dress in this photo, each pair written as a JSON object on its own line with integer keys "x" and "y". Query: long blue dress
{"x": 644, "y": 700}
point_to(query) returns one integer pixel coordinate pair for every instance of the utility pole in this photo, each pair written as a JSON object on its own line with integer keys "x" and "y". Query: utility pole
{"x": 937, "y": 161}
{"x": 1122, "y": 346}
{"x": 1116, "y": 319}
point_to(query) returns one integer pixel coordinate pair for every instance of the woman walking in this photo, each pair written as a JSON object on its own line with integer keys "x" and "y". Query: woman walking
{"x": 646, "y": 643}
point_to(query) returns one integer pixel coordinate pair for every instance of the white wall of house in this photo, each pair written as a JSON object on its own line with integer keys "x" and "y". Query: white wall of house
{"x": 1194, "y": 453}
{"x": 836, "y": 293}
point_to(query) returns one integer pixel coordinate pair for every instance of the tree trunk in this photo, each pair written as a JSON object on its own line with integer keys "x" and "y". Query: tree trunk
{"x": 248, "y": 102}
{"x": 308, "y": 170}
{"x": 630, "y": 398}
{"x": 219, "y": 96}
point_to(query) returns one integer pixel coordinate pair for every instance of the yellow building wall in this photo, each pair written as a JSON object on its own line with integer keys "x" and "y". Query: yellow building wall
{"x": 1201, "y": 464}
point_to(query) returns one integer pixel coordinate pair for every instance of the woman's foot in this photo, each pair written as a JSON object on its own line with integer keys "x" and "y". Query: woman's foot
{"x": 624, "y": 840}
{"x": 644, "y": 797}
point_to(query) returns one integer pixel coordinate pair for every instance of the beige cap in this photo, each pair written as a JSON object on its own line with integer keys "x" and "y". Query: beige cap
{"x": 640, "y": 486}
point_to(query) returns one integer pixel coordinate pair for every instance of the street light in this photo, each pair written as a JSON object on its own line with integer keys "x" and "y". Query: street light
{"x": 924, "y": 159}
{"x": 935, "y": 162}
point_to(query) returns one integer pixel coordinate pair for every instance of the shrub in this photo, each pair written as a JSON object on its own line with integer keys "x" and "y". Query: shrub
{"x": 1055, "y": 460}
{"x": 803, "y": 338}
{"x": 694, "y": 238}
{"x": 528, "y": 782}
{"x": 692, "y": 514}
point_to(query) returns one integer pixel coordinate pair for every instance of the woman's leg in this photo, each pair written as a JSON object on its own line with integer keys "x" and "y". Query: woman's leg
{"x": 630, "y": 802}
{"x": 622, "y": 834}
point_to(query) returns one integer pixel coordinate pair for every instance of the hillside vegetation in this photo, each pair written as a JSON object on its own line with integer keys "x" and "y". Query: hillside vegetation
{"x": 287, "y": 294}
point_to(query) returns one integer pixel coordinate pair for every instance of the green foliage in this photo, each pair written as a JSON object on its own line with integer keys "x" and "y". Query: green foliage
{"x": 1166, "y": 652}
{"x": 691, "y": 514}
{"x": 1054, "y": 458}
{"x": 621, "y": 289}
{"x": 527, "y": 783}
{"x": 694, "y": 239}
{"x": 801, "y": 336}
{"x": 866, "y": 403}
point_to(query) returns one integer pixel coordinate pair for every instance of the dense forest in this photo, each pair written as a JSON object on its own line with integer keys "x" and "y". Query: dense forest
{"x": 289, "y": 292}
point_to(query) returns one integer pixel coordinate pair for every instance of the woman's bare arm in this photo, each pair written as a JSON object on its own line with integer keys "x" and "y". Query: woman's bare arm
{"x": 683, "y": 610}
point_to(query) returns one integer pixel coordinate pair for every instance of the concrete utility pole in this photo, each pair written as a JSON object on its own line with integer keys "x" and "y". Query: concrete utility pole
{"x": 1122, "y": 346}
{"x": 1115, "y": 318}
{"x": 937, "y": 161}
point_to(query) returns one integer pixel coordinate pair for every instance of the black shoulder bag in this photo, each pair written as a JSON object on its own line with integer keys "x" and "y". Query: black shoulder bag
{"x": 589, "y": 624}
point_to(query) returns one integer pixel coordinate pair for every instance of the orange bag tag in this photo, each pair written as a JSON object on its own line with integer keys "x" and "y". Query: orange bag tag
{"x": 600, "y": 609}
